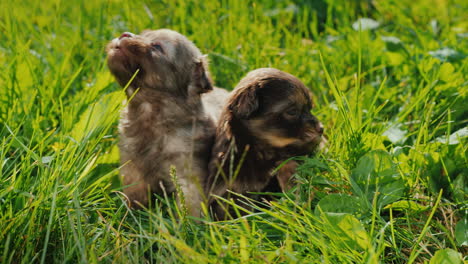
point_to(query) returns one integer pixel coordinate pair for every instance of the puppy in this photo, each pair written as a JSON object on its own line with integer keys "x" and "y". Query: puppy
{"x": 164, "y": 123}
{"x": 266, "y": 120}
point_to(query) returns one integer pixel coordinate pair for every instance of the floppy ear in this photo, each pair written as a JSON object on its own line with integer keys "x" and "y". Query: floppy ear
{"x": 311, "y": 97}
{"x": 245, "y": 103}
{"x": 201, "y": 81}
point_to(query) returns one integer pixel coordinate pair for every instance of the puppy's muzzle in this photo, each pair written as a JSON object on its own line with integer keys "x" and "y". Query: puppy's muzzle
{"x": 319, "y": 128}
{"x": 314, "y": 124}
{"x": 313, "y": 132}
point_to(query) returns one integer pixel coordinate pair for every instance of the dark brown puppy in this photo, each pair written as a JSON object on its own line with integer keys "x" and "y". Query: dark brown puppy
{"x": 164, "y": 123}
{"x": 267, "y": 120}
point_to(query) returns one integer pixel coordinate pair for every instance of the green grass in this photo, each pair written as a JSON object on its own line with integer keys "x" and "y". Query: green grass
{"x": 391, "y": 188}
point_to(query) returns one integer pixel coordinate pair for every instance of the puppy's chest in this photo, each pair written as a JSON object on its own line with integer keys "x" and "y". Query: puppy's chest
{"x": 158, "y": 132}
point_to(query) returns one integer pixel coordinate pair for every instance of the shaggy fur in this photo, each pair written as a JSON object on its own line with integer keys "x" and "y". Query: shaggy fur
{"x": 266, "y": 120}
{"x": 164, "y": 123}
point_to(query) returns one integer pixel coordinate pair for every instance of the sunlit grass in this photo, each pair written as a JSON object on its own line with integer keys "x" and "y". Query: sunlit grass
{"x": 391, "y": 93}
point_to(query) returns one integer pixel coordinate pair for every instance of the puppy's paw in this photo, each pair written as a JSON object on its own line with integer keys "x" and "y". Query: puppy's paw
{"x": 285, "y": 175}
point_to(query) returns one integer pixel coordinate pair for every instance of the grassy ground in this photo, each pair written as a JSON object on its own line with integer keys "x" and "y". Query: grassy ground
{"x": 391, "y": 92}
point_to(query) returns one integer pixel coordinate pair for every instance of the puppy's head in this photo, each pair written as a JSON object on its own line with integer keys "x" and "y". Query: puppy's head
{"x": 274, "y": 108}
{"x": 165, "y": 60}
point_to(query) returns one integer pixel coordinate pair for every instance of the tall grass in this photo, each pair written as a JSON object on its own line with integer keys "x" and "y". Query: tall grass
{"x": 391, "y": 93}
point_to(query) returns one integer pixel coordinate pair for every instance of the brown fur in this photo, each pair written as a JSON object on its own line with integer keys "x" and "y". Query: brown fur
{"x": 164, "y": 123}
{"x": 267, "y": 119}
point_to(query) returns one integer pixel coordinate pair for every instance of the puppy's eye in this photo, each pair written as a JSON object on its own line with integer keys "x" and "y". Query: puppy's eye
{"x": 292, "y": 113}
{"x": 158, "y": 47}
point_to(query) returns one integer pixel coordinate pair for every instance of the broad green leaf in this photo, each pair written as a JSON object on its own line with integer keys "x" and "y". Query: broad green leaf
{"x": 376, "y": 172}
{"x": 460, "y": 187}
{"x": 445, "y": 170}
{"x": 461, "y": 232}
{"x": 407, "y": 205}
{"x": 103, "y": 80}
{"x": 395, "y": 58}
{"x": 446, "y": 72}
{"x": 97, "y": 115}
{"x": 427, "y": 64}
{"x": 446, "y": 256}
{"x": 111, "y": 156}
{"x": 339, "y": 203}
{"x": 347, "y": 231}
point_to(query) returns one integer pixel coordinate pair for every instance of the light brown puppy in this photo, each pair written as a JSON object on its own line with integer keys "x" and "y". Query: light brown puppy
{"x": 266, "y": 120}
{"x": 164, "y": 123}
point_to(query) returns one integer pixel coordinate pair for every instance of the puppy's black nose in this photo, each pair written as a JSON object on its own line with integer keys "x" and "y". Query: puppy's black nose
{"x": 126, "y": 35}
{"x": 319, "y": 128}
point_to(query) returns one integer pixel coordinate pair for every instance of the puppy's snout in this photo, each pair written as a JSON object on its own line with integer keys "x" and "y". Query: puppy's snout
{"x": 126, "y": 35}
{"x": 315, "y": 124}
{"x": 319, "y": 128}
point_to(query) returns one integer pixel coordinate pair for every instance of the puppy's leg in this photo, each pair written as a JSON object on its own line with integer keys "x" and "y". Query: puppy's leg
{"x": 188, "y": 186}
{"x": 219, "y": 209}
{"x": 137, "y": 191}
{"x": 192, "y": 195}
{"x": 285, "y": 173}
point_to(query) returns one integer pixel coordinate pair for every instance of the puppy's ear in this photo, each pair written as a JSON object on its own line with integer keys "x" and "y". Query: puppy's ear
{"x": 201, "y": 81}
{"x": 311, "y": 97}
{"x": 245, "y": 103}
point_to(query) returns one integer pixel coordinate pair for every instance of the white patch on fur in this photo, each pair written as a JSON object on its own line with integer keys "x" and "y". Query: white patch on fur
{"x": 213, "y": 102}
{"x": 176, "y": 144}
{"x": 179, "y": 141}
{"x": 146, "y": 108}
{"x": 123, "y": 122}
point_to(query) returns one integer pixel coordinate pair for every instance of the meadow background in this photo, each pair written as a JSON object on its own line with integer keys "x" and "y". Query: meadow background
{"x": 389, "y": 80}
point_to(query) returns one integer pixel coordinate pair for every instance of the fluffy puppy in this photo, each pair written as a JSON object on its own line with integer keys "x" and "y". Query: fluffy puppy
{"x": 164, "y": 123}
{"x": 266, "y": 120}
